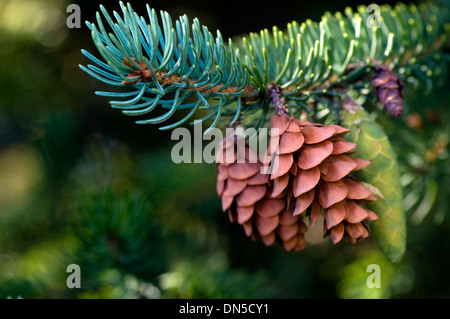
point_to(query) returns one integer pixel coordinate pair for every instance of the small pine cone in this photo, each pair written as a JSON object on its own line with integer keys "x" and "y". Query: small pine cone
{"x": 389, "y": 89}
{"x": 313, "y": 170}
{"x": 246, "y": 196}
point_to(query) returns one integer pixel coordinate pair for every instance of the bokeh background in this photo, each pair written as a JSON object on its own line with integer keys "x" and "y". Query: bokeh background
{"x": 82, "y": 184}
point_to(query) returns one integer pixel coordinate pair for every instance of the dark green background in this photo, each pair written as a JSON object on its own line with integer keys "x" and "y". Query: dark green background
{"x": 82, "y": 184}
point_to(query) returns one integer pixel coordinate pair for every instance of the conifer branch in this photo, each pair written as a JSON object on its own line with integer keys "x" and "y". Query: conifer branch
{"x": 182, "y": 66}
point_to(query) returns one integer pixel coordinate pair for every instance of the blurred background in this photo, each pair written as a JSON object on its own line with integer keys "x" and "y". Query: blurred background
{"x": 82, "y": 184}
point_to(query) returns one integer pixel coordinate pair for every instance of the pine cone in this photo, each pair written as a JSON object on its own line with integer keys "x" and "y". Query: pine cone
{"x": 247, "y": 197}
{"x": 313, "y": 166}
{"x": 310, "y": 165}
{"x": 389, "y": 89}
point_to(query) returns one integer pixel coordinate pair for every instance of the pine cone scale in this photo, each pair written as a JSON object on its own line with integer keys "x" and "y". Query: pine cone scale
{"x": 335, "y": 214}
{"x": 234, "y": 187}
{"x": 266, "y": 225}
{"x": 269, "y": 207}
{"x": 356, "y": 213}
{"x": 332, "y": 193}
{"x": 251, "y": 195}
{"x": 290, "y": 142}
{"x": 284, "y": 165}
{"x": 244, "y": 213}
{"x": 337, "y": 233}
{"x": 336, "y": 168}
{"x": 314, "y": 134}
{"x": 314, "y": 154}
{"x": 356, "y": 190}
{"x": 305, "y": 180}
{"x": 303, "y": 202}
{"x": 341, "y": 146}
{"x": 243, "y": 171}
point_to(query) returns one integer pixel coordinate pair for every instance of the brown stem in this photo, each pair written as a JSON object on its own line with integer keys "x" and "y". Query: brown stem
{"x": 146, "y": 76}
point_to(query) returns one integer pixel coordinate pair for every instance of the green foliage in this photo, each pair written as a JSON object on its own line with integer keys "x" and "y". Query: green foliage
{"x": 187, "y": 68}
{"x": 41, "y": 266}
{"x": 117, "y": 230}
{"x": 50, "y": 166}
{"x": 373, "y": 145}
{"x": 209, "y": 279}
{"x": 202, "y": 65}
{"x": 395, "y": 279}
